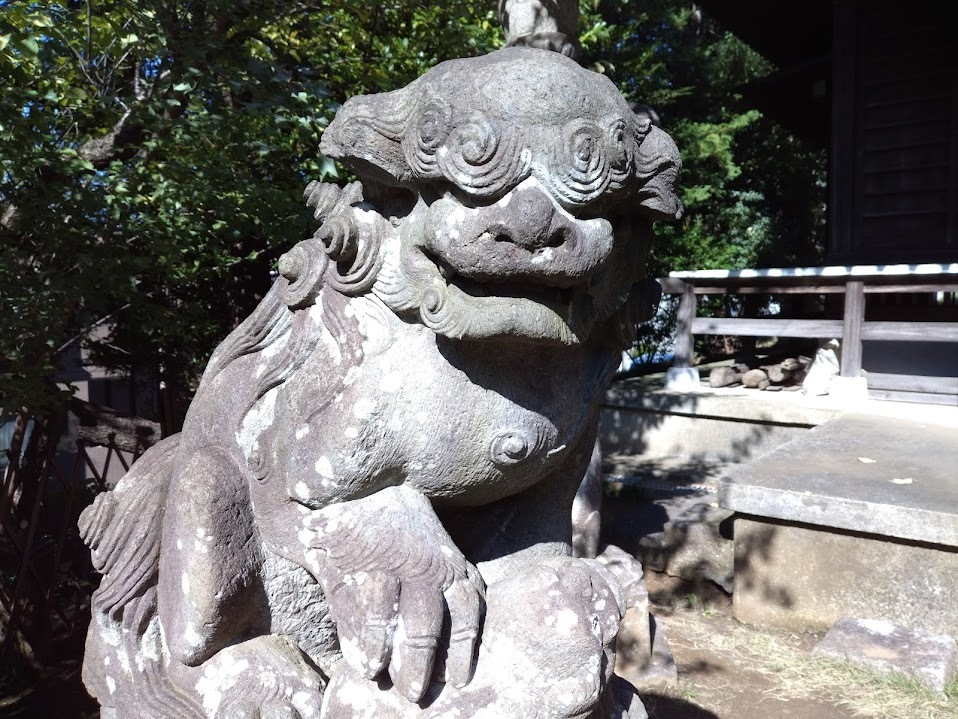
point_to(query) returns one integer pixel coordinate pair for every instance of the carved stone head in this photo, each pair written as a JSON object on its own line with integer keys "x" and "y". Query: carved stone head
{"x": 530, "y": 189}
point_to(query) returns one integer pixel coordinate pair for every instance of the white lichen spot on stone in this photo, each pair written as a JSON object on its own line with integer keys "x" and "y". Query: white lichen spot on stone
{"x": 878, "y": 626}
{"x": 256, "y": 421}
{"x": 324, "y": 467}
{"x": 192, "y": 636}
{"x": 363, "y": 409}
{"x": 391, "y": 382}
{"x": 185, "y": 583}
{"x": 543, "y": 256}
{"x": 111, "y": 684}
{"x": 302, "y": 490}
{"x": 566, "y": 620}
{"x": 351, "y": 433}
{"x": 219, "y": 676}
{"x": 302, "y": 431}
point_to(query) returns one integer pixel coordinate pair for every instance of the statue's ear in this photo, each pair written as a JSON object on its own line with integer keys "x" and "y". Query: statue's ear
{"x": 658, "y": 162}
{"x": 366, "y": 136}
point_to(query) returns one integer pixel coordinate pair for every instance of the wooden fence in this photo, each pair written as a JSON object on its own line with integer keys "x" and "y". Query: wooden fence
{"x": 855, "y": 282}
{"x": 46, "y": 577}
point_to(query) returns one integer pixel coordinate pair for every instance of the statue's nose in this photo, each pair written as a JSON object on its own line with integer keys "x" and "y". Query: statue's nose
{"x": 528, "y": 219}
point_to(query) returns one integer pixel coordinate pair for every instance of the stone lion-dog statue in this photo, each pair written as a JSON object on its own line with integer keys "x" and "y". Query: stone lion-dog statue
{"x": 367, "y": 513}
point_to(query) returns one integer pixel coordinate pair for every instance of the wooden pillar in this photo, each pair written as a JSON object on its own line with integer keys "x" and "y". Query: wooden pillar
{"x": 683, "y": 327}
{"x": 854, "y": 316}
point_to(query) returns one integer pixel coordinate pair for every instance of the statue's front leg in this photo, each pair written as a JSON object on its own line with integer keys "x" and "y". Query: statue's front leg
{"x": 546, "y": 652}
{"x": 547, "y": 644}
{"x": 396, "y": 584}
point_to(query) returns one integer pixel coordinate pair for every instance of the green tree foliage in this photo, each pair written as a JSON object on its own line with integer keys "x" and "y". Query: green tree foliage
{"x": 153, "y": 159}
{"x": 154, "y": 154}
{"x": 754, "y": 195}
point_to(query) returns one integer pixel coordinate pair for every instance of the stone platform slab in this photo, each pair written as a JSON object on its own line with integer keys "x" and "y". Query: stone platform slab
{"x": 805, "y": 578}
{"x": 875, "y": 474}
{"x": 856, "y": 518}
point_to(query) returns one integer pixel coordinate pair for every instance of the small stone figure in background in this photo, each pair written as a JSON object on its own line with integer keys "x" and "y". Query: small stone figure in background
{"x": 546, "y": 24}
{"x": 368, "y": 512}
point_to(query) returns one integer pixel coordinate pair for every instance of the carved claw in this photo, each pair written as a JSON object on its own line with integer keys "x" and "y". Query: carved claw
{"x": 400, "y": 592}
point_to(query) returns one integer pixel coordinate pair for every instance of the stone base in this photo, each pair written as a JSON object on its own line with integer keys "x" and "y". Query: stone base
{"x": 805, "y": 578}
{"x": 682, "y": 379}
{"x": 849, "y": 389}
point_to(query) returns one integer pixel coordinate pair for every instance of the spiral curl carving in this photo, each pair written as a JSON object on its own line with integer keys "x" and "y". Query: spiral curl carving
{"x": 510, "y": 447}
{"x": 357, "y": 257}
{"x": 437, "y": 311}
{"x": 481, "y": 158}
{"x": 302, "y": 270}
{"x": 581, "y": 166}
{"x": 426, "y": 135}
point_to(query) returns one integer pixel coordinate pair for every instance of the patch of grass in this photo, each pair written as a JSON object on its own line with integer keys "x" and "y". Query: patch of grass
{"x": 798, "y": 674}
{"x": 688, "y": 694}
{"x": 709, "y": 610}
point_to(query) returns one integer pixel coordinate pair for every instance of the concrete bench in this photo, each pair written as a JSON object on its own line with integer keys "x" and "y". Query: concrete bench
{"x": 857, "y": 517}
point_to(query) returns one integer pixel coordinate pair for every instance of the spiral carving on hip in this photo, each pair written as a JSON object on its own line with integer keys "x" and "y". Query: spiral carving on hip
{"x": 510, "y": 447}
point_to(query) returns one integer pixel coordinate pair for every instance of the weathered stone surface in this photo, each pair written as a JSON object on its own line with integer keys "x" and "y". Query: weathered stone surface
{"x": 691, "y": 547}
{"x": 587, "y": 508}
{"x": 881, "y": 475}
{"x": 642, "y": 653}
{"x": 886, "y": 647}
{"x": 388, "y": 448}
{"x": 755, "y": 378}
{"x": 724, "y": 376}
{"x": 803, "y": 578}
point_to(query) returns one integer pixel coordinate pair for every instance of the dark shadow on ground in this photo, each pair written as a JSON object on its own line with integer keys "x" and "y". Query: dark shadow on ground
{"x": 660, "y": 706}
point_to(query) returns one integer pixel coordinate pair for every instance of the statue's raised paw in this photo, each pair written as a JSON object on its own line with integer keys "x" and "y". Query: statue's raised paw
{"x": 396, "y": 585}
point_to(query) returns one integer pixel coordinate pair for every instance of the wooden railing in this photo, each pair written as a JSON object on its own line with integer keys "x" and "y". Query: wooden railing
{"x": 852, "y": 281}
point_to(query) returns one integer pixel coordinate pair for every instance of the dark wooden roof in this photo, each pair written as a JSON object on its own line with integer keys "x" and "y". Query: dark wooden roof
{"x": 797, "y": 39}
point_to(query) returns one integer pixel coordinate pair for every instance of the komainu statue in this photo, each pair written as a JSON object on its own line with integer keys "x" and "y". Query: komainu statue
{"x": 367, "y": 513}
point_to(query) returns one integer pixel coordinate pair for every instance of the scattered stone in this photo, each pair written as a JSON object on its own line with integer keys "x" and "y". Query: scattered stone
{"x": 642, "y": 654}
{"x": 755, "y": 378}
{"x": 724, "y": 377}
{"x": 691, "y": 547}
{"x": 880, "y": 645}
{"x": 777, "y": 373}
